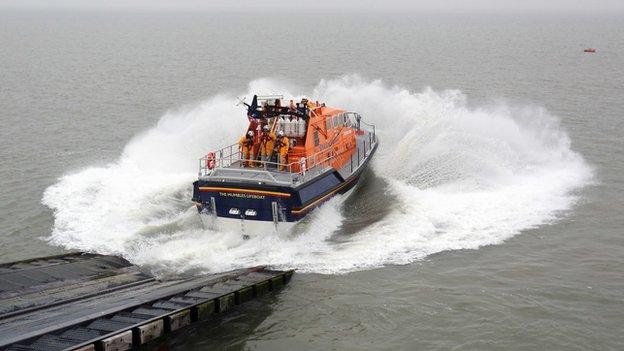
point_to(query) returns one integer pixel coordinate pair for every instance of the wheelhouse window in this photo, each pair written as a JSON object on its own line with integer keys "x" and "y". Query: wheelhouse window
{"x": 336, "y": 120}
{"x": 328, "y": 123}
{"x": 316, "y": 137}
{"x": 350, "y": 119}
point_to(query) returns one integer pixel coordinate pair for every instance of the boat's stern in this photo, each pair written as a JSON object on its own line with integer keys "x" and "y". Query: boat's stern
{"x": 244, "y": 201}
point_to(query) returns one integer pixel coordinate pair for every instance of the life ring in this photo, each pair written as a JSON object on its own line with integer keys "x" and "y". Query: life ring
{"x": 210, "y": 160}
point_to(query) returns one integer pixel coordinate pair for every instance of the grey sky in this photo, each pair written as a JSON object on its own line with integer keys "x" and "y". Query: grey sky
{"x": 583, "y": 6}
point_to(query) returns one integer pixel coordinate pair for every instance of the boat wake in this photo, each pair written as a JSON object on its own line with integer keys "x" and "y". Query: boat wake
{"x": 446, "y": 177}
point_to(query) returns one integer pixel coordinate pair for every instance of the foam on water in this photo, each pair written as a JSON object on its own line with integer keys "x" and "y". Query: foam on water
{"x": 456, "y": 178}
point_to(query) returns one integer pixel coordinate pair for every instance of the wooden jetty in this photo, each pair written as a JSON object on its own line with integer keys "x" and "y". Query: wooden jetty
{"x": 84, "y": 302}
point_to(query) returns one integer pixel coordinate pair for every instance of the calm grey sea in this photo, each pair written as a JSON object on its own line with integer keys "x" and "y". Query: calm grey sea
{"x": 75, "y": 87}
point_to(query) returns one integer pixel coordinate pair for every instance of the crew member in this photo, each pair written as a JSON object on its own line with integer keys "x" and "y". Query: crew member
{"x": 246, "y": 145}
{"x": 310, "y": 104}
{"x": 267, "y": 139}
{"x": 281, "y": 147}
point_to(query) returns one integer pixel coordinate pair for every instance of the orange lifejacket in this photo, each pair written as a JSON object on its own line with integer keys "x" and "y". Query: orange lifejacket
{"x": 266, "y": 142}
{"x": 246, "y": 143}
{"x": 281, "y": 145}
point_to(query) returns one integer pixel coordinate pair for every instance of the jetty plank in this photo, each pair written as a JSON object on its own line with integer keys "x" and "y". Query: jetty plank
{"x": 94, "y": 302}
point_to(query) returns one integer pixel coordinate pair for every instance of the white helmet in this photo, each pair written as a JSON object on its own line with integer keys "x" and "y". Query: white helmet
{"x": 250, "y": 133}
{"x": 265, "y": 128}
{"x": 280, "y": 133}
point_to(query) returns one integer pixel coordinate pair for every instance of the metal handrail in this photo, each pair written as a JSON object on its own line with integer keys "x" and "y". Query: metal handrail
{"x": 227, "y": 156}
{"x": 370, "y": 125}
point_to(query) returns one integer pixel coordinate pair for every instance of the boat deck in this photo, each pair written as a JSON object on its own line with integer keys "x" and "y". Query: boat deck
{"x": 235, "y": 170}
{"x": 94, "y": 302}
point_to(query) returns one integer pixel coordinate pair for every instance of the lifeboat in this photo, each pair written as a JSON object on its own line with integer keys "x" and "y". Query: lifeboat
{"x": 254, "y": 193}
{"x": 590, "y": 50}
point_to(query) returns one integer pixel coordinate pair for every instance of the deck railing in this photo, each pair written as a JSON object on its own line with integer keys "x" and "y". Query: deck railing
{"x": 230, "y": 157}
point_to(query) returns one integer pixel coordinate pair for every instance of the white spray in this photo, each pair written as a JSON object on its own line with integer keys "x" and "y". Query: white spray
{"x": 460, "y": 178}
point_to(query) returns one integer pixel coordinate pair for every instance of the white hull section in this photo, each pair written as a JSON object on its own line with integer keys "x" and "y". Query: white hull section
{"x": 247, "y": 228}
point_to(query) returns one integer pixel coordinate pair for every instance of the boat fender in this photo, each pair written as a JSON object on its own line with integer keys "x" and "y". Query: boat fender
{"x": 302, "y": 165}
{"x": 210, "y": 160}
{"x": 291, "y": 127}
{"x": 301, "y": 128}
{"x": 287, "y": 127}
